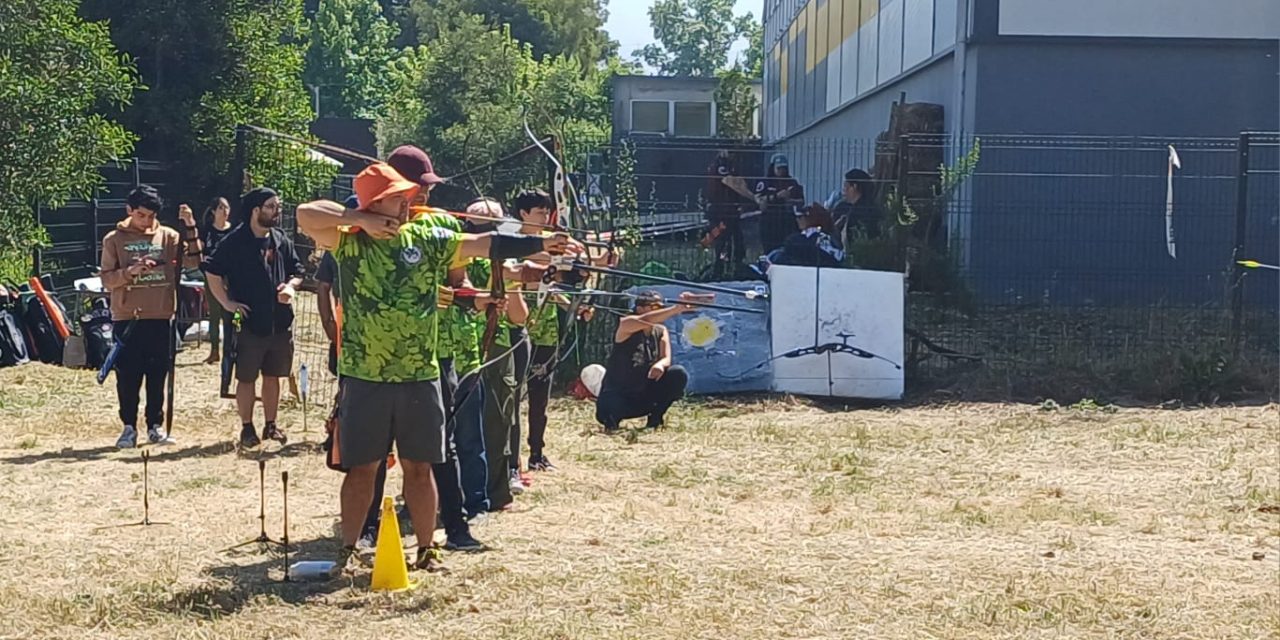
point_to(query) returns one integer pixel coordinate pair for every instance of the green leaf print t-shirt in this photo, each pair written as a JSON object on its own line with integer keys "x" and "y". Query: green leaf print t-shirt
{"x": 388, "y": 290}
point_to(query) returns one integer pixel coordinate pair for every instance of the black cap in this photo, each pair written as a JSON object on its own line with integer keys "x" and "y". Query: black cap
{"x": 253, "y": 200}
{"x": 648, "y": 297}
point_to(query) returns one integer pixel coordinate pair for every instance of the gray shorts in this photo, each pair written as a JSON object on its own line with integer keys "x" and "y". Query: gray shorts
{"x": 271, "y": 356}
{"x": 373, "y": 414}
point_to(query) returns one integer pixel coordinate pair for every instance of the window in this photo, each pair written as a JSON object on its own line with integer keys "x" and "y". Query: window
{"x": 693, "y": 119}
{"x": 650, "y": 116}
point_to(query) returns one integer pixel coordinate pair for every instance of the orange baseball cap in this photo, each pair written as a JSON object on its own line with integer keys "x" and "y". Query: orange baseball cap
{"x": 379, "y": 181}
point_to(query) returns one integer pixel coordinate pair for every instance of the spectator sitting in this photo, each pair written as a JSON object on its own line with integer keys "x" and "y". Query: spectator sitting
{"x": 855, "y": 210}
{"x": 779, "y": 195}
{"x": 811, "y": 246}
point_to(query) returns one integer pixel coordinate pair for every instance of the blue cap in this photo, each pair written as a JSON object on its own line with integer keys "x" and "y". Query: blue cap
{"x": 779, "y": 160}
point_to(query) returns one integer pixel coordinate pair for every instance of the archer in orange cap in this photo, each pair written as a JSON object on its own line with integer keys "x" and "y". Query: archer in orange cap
{"x": 381, "y": 190}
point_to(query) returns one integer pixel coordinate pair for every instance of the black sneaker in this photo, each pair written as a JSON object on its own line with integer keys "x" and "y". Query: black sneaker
{"x": 429, "y": 560}
{"x": 249, "y": 437}
{"x": 272, "y": 432}
{"x": 344, "y": 558}
{"x": 540, "y": 463}
{"x": 463, "y": 541}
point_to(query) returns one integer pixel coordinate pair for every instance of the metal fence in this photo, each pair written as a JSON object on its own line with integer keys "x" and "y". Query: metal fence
{"x": 1054, "y": 254}
{"x": 1050, "y": 260}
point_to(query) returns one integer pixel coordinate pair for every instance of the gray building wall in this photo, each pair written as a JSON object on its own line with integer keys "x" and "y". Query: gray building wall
{"x": 821, "y": 153}
{"x": 1086, "y": 216}
{"x": 1098, "y": 86}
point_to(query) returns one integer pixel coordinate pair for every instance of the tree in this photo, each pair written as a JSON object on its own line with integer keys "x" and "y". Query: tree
{"x": 465, "y": 94}
{"x": 573, "y": 28}
{"x": 694, "y": 36}
{"x": 58, "y": 73}
{"x": 348, "y": 57}
{"x": 210, "y": 65}
{"x": 736, "y": 105}
{"x": 752, "y": 62}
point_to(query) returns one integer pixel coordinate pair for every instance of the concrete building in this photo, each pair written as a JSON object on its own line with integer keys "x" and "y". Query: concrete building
{"x": 1095, "y": 67}
{"x": 670, "y": 107}
{"x": 1155, "y": 72}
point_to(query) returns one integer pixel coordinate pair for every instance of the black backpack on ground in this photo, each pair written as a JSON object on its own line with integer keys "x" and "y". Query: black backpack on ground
{"x": 96, "y": 327}
{"x": 48, "y": 343}
{"x": 13, "y": 344}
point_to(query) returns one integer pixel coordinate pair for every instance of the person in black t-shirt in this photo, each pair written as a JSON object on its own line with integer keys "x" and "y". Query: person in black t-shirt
{"x": 215, "y": 224}
{"x": 855, "y": 212}
{"x": 255, "y": 271}
{"x": 779, "y": 195}
{"x": 640, "y": 380}
{"x": 327, "y": 294}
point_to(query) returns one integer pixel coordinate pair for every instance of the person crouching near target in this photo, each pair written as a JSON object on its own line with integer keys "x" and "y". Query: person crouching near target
{"x": 640, "y": 381}
{"x": 390, "y": 268}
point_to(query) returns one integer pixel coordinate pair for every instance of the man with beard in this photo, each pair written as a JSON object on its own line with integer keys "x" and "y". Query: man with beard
{"x": 255, "y": 272}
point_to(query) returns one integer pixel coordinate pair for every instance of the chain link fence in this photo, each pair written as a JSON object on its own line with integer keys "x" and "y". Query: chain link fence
{"x": 1034, "y": 263}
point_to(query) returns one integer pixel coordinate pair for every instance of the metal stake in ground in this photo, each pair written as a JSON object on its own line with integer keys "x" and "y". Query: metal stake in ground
{"x": 262, "y": 538}
{"x": 284, "y": 481}
{"x": 146, "y": 500}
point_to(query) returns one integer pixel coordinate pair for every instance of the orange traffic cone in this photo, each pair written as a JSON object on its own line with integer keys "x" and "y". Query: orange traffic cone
{"x": 390, "y": 573}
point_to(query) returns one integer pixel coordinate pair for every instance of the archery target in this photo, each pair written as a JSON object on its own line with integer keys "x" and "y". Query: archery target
{"x": 863, "y": 309}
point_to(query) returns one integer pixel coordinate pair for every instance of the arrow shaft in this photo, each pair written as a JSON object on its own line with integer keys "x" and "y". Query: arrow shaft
{"x": 682, "y": 283}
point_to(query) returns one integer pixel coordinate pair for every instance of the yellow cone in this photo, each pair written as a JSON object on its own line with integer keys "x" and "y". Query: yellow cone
{"x": 389, "y": 570}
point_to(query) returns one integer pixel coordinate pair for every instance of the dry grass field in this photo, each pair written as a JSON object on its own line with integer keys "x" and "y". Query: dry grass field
{"x": 745, "y": 519}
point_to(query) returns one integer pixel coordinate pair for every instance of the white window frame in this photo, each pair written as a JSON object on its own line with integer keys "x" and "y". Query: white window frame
{"x": 671, "y": 117}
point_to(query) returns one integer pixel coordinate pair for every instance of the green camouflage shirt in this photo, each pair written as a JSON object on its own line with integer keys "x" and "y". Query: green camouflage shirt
{"x": 544, "y": 323}
{"x": 389, "y": 290}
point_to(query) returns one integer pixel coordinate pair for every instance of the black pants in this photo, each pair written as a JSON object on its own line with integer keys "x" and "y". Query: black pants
{"x": 522, "y": 369}
{"x": 651, "y": 401}
{"x": 145, "y": 356}
{"x": 448, "y": 474}
{"x": 730, "y": 248}
{"x": 539, "y": 392}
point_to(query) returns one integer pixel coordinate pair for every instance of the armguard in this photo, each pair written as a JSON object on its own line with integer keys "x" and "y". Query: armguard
{"x": 514, "y": 245}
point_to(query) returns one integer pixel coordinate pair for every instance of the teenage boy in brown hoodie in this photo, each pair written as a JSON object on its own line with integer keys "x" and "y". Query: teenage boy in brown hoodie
{"x": 138, "y": 260}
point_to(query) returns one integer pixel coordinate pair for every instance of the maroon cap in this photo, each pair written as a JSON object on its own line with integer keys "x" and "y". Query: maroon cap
{"x": 413, "y": 163}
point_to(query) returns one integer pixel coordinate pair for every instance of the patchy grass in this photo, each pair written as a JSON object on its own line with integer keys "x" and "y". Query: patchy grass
{"x": 751, "y": 517}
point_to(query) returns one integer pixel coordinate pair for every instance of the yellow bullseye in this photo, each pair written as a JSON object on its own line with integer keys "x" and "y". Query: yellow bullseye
{"x": 701, "y": 332}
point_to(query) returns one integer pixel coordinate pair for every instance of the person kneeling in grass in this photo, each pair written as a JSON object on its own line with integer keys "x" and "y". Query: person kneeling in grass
{"x": 639, "y": 379}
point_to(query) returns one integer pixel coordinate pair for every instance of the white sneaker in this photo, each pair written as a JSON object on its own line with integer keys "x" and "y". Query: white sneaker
{"x": 515, "y": 485}
{"x": 156, "y": 435}
{"x": 128, "y": 438}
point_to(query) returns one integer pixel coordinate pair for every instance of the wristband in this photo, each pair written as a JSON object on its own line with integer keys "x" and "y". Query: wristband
{"x": 514, "y": 245}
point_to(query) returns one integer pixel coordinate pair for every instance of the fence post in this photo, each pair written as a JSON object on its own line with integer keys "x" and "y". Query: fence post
{"x": 1242, "y": 229}
{"x": 36, "y": 254}
{"x": 903, "y": 177}
{"x": 235, "y": 179}
{"x": 93, "y": 229}
{"x": 137, "y": 173}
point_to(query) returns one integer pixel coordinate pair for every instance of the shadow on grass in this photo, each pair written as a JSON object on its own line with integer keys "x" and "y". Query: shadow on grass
{"x": 166, "y": 454}
{"x": 232, "y": 586}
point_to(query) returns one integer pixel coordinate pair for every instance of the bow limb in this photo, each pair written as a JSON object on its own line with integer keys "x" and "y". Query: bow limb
{"x": 559, "y": 182}
{"x": 497, "y": 291}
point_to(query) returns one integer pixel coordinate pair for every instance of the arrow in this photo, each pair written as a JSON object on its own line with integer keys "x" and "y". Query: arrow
{"x": 1254, "y": 264}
